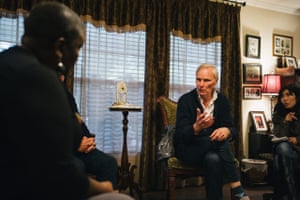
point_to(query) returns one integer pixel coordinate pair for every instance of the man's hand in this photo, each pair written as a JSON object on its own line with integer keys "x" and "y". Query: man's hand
{"x": 203, "y": 121}
{"x": 87, "y": 144}
{"x": 220, "y": 134}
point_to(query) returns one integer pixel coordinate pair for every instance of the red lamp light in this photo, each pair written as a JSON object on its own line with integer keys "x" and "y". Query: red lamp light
{"x": 271, "y": 87}
{"x": 271, "y": 84}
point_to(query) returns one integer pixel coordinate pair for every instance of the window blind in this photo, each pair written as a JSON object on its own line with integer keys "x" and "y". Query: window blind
{"x": 11, "y": 31}
{"x": 108, "y": 57}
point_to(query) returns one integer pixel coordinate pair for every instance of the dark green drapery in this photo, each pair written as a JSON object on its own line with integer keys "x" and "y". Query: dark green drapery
{"x": 197, "y": 20}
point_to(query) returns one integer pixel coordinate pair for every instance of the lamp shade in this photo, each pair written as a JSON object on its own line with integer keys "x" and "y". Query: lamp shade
{"x": 271, "y": 84}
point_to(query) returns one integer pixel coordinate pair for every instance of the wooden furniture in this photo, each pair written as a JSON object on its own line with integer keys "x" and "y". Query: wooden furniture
{"x": 173, "y": 166}
{"x": 260, "y": 144}
{"x": 126, "y": 172}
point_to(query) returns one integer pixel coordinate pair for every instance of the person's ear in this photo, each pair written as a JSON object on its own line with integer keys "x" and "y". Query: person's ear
{"x": 59, "y": 49}
{"x": 59, "y": 46}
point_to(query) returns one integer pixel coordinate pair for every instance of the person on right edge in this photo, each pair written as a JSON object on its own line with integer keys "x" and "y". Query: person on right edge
{"x": 204, "y": 128}
{"x": 286, "y": 120}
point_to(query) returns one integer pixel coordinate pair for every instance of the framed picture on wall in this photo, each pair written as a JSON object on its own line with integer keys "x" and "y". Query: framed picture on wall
{"x": 282, "y": 45}
{"x": 252, "y": 46}
{"x": 291, "y": 61}
{"x": 259, "y": 121}
{"x": 251, "y": 92}
{"x": 252, "y": 73}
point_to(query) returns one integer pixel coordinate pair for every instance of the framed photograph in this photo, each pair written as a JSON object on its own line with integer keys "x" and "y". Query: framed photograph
{"x": 252, "y": 73}
{"x": 252, "y": 46}
{"x": 282, "y": 45}
{"x": 259, "y": 121}
{"x": 291, "y": 61}
{"x": 251, "y": 92}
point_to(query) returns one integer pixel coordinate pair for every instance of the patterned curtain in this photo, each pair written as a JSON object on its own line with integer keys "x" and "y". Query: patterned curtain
{"x": 200, "y": 21}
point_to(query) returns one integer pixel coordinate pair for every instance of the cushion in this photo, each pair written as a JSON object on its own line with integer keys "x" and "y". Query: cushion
{"x": 173, "y": 162}
{"x": 170, "y": 108}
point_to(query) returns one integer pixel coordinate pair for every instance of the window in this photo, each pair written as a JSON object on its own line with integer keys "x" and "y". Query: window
{"x": 185, "y": 58}
{"x": 108, "y": 57}
{"x": 11, "y": 31}
{"x": 104, "y": 59}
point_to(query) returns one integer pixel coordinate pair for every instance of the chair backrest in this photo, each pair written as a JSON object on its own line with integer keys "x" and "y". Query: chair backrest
{"x": 168, "y": 110}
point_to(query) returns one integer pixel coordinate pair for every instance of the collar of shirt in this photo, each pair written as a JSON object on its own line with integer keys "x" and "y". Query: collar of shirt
{"x": 211, "y": 106}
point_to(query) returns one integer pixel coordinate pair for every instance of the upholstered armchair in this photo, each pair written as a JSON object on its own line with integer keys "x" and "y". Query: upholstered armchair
{"x": 173, "y": 166}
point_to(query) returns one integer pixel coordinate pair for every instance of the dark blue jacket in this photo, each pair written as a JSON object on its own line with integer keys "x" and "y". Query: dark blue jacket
{"x": 186, "y": 116}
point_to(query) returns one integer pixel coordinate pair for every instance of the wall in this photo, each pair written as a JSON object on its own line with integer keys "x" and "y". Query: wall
{"x": 263, "y": 23}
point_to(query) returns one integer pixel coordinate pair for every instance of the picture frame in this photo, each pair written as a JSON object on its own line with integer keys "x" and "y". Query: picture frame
{"x": 252, "y": 73}
{"x": 252, "y": 46}
{"x": 252, "y": 92}
{"x": 259, "y": 121}
{"x": 282, "y": 45}
{"x": 291, "y": 61}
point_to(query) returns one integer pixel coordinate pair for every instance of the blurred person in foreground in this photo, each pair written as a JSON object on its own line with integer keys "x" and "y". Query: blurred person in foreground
{"x": 204, "y": 128}
{"x": 39, "y": 130}
{"x": 286, "y": 120}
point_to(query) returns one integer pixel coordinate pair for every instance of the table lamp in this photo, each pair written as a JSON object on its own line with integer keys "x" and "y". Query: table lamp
{"x": 271, "y": 87}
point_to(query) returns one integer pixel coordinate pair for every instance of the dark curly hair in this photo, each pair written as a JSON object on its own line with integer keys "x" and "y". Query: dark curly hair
{"x": 280, "y": 109}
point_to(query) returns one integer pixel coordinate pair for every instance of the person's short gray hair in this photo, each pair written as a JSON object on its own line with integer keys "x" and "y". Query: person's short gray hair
{"x": 211, "y": 66}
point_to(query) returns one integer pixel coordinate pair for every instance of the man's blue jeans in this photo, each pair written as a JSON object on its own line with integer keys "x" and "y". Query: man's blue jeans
{"x": 218, "y": 161}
